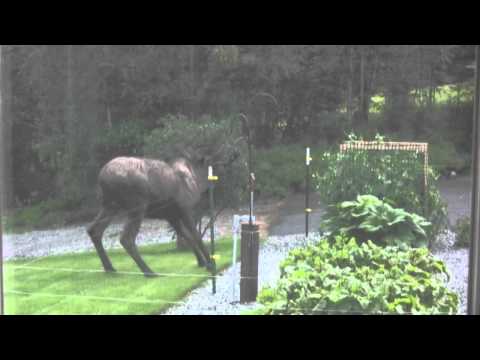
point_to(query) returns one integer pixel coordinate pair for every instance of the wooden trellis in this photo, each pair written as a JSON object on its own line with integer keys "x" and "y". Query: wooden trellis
{"x": 389, "y": 146}
{"x": 394, "y": 146}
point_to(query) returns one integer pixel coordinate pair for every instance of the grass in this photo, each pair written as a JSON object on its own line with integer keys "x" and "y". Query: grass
{"x": 46, "y": 288}
{"x": 254, "y": 312}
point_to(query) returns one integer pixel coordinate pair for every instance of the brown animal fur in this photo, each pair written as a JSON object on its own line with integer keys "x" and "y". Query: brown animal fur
{"x": 150, "y": 188}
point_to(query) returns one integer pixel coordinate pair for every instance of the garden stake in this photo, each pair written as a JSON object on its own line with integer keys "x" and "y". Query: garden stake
{"x": 307, "y": 190}
{"x": 473, "y": 304}
{"x": 252, "y": 189}
{"x": 211, "y": 180}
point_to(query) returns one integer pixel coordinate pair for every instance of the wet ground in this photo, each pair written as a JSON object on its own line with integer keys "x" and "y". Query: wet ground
{"x": 455, "y": 191}
{"x": 291, "y": 216}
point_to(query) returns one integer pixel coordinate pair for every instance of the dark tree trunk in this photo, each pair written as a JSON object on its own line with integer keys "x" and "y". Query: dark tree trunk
{"x": 397, "y": 105}
{"x": 363, "y": 92}
{"x": 350, "y": 85}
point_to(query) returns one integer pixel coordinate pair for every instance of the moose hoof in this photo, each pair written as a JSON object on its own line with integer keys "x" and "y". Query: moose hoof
{"x": 210, "y": 266}
{"x": 150, "y": 274}
{"x": 110, "y": 270}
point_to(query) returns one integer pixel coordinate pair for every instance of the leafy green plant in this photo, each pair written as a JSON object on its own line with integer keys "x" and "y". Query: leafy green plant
{"x": 124, "y": 138}
{"x": 396, "y": 175}
{"x": 369, "y": 218}
{"x": 348, "y": 277}
{"x": 281, "y": 169}
{"x": 445, "y": 158}
{"x": 43, "y": 214}
{"x": 462, "y": 232}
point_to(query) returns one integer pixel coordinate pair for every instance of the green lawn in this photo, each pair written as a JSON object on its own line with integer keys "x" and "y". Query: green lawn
{"x": 48, "y": 286}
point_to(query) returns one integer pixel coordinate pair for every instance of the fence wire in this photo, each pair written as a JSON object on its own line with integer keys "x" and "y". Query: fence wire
{"x": 286, "y": 309}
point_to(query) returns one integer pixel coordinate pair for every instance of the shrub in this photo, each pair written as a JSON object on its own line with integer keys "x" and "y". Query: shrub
{"x": 178, "y": 133}
{"x": 123, "y": 139}
{"x": 368, "y": 218}
{"x": 348, "y": 277}
{"x": 462, "y": 232}
{"x": 396, "y": 175}
{"x": 281, "y": 169}
{"x": 444, "y": 158}
{"x": 43, "y": 214}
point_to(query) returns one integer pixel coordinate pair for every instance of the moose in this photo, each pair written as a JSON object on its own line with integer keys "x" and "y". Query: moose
{"x": 159, "y": 189}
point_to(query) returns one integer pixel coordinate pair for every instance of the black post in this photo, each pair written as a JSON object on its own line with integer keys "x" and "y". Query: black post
{"x": 249, "y": 263}
{"x": 252, "y": 190}
{"x": 473, "y": 275}
{"x": 2, "y": 310}
{"x": 211, "y": 180}
{"x": 307, "y": 191}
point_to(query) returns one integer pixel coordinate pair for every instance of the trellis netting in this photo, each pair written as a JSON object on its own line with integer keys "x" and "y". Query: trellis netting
{"x": 397, "y": 172}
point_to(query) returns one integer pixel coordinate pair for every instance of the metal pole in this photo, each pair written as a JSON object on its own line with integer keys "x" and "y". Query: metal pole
{"x": 474, "y": 260}
{"x": 1, "y": 258}
{"x": 250, "y": 181}
{"x": 211, "y": 180}
{"x": 307, "y": 191}
{"x": 252, "y": 190}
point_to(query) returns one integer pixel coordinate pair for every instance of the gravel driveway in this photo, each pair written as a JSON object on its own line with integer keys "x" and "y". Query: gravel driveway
{"x": 75, "y": 239}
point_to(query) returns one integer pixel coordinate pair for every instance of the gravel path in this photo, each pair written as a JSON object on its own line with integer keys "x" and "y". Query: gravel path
{"x": 456, "y": 261}
{"x": 202, "y": 302}
{"x": 75, "y": 239}
{"x": 457, "y": 193}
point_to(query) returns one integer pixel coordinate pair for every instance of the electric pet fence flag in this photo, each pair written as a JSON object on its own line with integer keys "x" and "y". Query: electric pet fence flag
{"x": 307, "y": 190}
{"x": 211, "y": 180}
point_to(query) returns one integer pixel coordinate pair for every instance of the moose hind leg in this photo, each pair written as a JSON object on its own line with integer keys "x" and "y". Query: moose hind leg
{"x": 96, "y": 230}
{"x": 128, "y": 237}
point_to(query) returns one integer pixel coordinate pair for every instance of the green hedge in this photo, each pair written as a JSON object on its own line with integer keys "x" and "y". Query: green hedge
{"x": 281, "y": 169}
